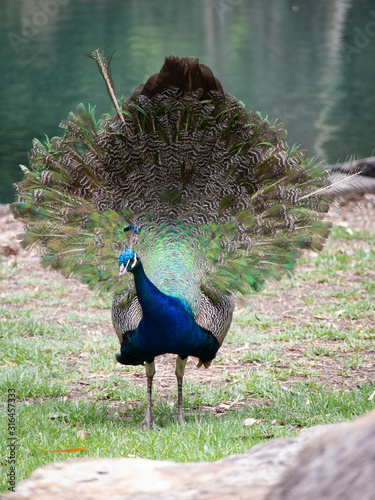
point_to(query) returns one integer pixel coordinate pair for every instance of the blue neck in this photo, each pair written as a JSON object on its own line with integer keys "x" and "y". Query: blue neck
{"x": 150, "y": 297}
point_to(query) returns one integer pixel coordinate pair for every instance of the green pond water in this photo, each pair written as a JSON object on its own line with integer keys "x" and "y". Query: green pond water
{"x": 310, "y": 63}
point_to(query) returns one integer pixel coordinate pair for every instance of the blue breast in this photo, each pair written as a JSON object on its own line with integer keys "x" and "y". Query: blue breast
{"x": 167, "y": 326}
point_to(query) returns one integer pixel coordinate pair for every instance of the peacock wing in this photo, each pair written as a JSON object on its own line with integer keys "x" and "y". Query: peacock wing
{"x": 215, "y": 313}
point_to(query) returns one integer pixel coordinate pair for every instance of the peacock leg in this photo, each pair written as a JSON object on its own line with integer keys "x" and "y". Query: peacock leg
{"x": 180, "y": 370}
{"x": 150, "y": 372}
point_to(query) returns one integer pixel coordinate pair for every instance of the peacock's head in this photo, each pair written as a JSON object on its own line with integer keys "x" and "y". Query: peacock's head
{"x": 128, "y": 260}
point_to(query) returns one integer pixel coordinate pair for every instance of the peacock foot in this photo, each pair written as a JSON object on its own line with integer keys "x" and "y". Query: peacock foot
{"x": 180, "y": 416}
{"x": 147, "y": 423}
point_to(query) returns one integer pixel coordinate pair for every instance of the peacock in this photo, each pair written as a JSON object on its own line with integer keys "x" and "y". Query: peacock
{"x": 198, "y": 201}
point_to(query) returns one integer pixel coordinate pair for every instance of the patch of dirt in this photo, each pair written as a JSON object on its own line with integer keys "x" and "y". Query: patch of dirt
{"x": 329, "y": 370}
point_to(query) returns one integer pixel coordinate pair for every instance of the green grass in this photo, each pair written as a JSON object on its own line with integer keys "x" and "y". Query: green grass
{"x": 303, "y": 363}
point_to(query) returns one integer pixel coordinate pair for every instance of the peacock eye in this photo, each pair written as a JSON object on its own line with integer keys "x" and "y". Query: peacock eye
{"x": 133, "y": 261}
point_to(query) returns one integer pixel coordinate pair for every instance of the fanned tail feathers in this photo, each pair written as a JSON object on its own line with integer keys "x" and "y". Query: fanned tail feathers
{"x": 184, "y": 163}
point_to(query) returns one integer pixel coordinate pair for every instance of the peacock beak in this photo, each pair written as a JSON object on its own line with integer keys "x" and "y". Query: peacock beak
{"x": 122, "y": 270}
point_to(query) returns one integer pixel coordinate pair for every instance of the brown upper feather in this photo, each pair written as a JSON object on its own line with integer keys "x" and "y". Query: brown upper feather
{"x": 186, "y": 74}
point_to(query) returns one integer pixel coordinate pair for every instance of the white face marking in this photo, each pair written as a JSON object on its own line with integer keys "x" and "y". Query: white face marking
{"x": 135, "y": 261}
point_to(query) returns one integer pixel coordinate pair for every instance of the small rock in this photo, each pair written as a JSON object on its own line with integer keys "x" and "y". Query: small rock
{"x": 249, "y": 421}
{"x": 82, "y": 435}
